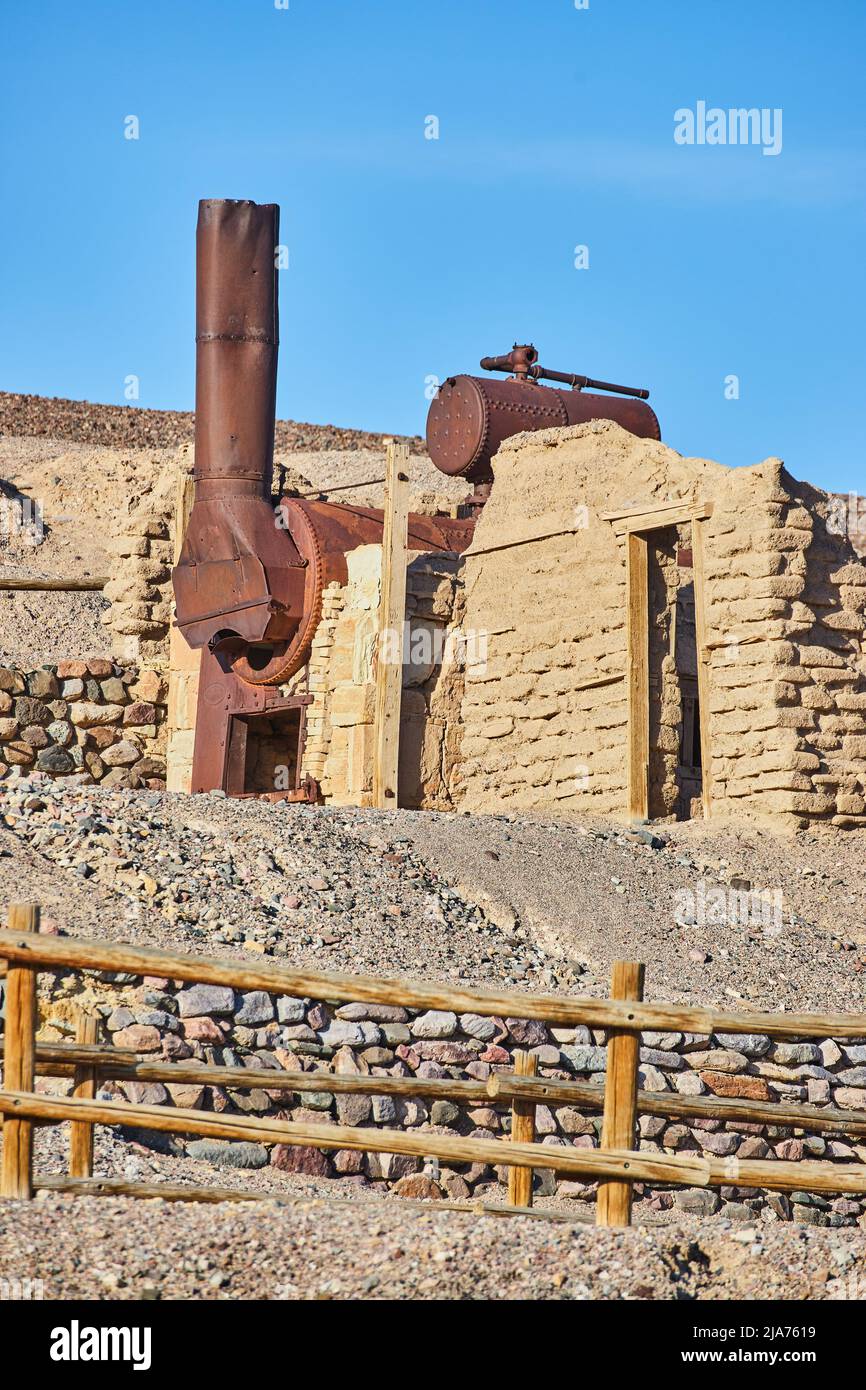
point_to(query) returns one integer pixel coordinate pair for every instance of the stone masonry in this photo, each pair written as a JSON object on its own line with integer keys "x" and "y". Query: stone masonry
{"x": 94, "y": 721}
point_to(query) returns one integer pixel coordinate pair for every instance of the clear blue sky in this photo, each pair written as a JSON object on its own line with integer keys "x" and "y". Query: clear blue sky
{"x": 412, "y": 257}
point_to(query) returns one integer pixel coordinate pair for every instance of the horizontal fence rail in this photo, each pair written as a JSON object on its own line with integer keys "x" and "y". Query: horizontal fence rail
{"x": 81, "y": 954}
{"x": 616, "y": 1165}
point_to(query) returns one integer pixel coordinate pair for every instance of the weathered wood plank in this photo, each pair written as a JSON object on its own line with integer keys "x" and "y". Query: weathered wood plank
{"x": 584, "y": 1095}
{"x": 392, "y": 615}
{"x": 637, "y": 662}
{"x": 703, "y": 660}
{"x": 522, "y": 1132}
{"x": 83, "y": 954}
{"x": 452, "y": 1149}
{"x": 620, "y": 1096}
{"x": 84, "y": 1087}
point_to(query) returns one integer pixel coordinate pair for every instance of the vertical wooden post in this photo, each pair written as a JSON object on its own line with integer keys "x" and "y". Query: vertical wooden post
{"x": 19, "y": 1066}
{"x": 637, "y": 658}
{"x": 703, "y": 662}
{"x": 620, "y": 1096}
{"x": 392, "y": 615}
{"x": 522, "y": 1132}
{"x": 83, "y": 1088}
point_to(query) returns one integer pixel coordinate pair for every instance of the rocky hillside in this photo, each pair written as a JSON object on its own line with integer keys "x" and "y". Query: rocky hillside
{"x": 133, "y": 427}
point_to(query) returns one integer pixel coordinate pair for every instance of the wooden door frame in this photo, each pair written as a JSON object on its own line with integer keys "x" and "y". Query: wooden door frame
{"x": 636, "y": 525}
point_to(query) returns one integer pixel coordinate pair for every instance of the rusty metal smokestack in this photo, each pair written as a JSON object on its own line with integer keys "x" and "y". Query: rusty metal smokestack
{"x": 237, "y": 337}
{"x": 239, "y": 574}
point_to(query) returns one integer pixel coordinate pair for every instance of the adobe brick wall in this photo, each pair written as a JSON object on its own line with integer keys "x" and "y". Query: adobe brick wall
{"x": 545, "y": 717}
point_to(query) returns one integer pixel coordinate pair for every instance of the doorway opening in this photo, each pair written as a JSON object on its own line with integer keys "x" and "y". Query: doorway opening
{"x": 667, "y": 672}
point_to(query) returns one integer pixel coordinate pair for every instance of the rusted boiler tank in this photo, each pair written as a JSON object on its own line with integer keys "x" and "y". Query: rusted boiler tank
{"x": 471, "y": 416}
{"x": 250, "y": 576}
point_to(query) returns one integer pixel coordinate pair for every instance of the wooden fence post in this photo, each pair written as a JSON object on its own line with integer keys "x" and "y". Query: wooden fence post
{"x": 19, "y": 1062}
{"x": 522, "y": 1132}
{"x": 83, "y": 1088}
{"x": 620, "y": 1096}
{"x": 392, "y": 615}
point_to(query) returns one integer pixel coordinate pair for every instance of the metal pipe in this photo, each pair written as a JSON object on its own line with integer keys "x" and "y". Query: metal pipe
{"x": 236, "y": 347}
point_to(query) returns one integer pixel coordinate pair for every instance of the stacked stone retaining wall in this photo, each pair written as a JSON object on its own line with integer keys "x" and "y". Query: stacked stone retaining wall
{"x": 219, "y": 1026}
{"x": 91, "y": 720}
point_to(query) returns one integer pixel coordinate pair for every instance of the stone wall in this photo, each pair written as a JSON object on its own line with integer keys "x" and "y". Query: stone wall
{"x": 139, "y": 589}
{"x": 94, "y": 721}
{"x": 342, "y": 681}
{"x": 545, "y": 716}
{"x": 217, "y": 1026}
{"x": 787, "y": 598}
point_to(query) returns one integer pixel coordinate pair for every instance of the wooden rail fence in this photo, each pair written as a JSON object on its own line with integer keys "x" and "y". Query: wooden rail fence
{"x": 617, "y": 1164}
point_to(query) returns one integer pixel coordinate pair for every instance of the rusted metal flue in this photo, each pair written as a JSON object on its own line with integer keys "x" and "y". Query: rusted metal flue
{"x": 237, "y": 337}
{"x": 239, "y": 575}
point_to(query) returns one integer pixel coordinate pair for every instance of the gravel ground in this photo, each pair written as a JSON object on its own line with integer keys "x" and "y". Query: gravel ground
{"x": 35, "y": 626}
{"x": 121, "y": 1248}
{"x": 485, "y": 900}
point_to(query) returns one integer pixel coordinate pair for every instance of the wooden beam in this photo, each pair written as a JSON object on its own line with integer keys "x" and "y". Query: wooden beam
{"x": 784, "y": 1114}
{"x": 183, "y": 503}
{"x": 656, "y": 517}
{"x": 499, "y": 1086}
{"x": 595, "y": 1163}
{"x": 392, "y": 615}
{"x": 703, "y": 663}
{"x": 620, "y": 1096}
{"x": 69, "y": 1054}
{"x": 187, "y": 1192}
{"x": 693, "y": 1170}
{"x": 529, "y": 538}
{"x": 82, "y": 954}
{"x": 19, "y": 1063}
{"x": 56, "y": 585}
{"x": 637, "y": 661}
{"x": 269, "y": 1079}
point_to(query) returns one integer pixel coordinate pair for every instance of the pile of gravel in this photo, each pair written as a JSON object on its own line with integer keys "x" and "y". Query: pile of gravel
{"x": 334, "y": 889}
{"x": 486, "y": 900}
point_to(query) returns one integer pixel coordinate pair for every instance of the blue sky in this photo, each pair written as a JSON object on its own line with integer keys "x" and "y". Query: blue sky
{"x": 412, "y": 257}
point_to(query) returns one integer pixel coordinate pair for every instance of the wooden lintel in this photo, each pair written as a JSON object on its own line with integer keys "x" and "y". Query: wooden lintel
{"x": 655, "y": 517}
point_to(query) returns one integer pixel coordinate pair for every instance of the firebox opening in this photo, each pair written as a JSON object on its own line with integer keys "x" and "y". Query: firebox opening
{"x": 268, "y": 747}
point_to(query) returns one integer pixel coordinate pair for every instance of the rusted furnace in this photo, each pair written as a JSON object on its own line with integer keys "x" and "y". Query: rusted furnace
{"x": 249, "y": 579}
